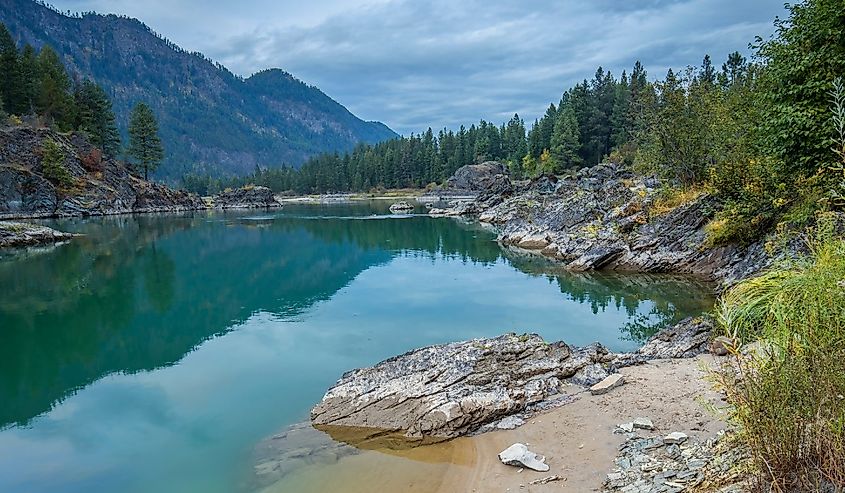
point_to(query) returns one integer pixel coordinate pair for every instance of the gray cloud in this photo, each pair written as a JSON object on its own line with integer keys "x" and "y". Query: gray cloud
{"x": 415, "y": 64}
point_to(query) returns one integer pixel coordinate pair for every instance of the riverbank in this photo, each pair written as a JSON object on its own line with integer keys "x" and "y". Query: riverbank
{"x": 580, "y": 441}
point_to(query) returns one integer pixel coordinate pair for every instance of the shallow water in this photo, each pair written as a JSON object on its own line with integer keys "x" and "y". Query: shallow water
{"x": 155, "y": 352}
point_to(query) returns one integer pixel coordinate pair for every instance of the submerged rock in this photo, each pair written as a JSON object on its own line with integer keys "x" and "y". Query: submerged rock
{"x": 449, "y": 390}
{"x": 518, "y": 455}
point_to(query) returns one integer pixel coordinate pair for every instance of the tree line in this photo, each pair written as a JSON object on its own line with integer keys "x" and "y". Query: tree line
{"x": 34, "y": 83}
{"x": 590, "y": 120}
{"x": 762, "y": 135}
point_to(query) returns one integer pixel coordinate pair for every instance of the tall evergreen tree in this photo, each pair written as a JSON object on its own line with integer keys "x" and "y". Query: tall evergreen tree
{"x": 144, "y": 143}
{"x": 11, "y": 97}
{"x": 53, "y": 100}
{"x": 566, "y": 141}
{"x": 94, "y": 116}
{"x": 28, "y": 64}
{"x": 707, "y": 75}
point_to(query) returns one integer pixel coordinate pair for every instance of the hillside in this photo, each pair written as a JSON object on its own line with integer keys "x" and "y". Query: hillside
{"x": 211, "y": 120}
{"x": 44, "y": 173}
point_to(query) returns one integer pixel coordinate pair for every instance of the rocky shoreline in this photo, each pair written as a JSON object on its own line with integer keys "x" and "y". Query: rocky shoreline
{"x": 83, "y": 182}
{"x": 17, "y": 234}
{"x": 444, "y": 391}
{"x": 605, "y": 217}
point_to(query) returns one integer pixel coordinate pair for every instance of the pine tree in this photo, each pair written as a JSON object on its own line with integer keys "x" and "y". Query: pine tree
{"x": 11, "y": 97}
{"x": 566, "y": 141}
{"x": 707, "y": 76}
{"x": 94, "y": 116}
{"x": 28, "y": 64}
{"x": 53, "y": 101}
{"x": 144, "y": 143}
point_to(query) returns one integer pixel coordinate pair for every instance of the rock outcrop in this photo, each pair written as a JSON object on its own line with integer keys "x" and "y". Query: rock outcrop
{"x": 247, "y": 197}
{"x": 476, "y": 177}
{"x": 90, "y": 185}
{"x": 448, "y": 390}
{"x": 444, "y": 391}
{"x": 24, "y": 234}
{"x": 605, "y": 217}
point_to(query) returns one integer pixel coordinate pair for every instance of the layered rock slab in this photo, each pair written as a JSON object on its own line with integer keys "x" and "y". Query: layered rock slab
{"x": 449, "y": 390}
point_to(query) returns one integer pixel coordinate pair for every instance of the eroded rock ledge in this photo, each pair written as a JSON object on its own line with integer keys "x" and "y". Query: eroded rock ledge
{"x": 449, "y": 390}
{"x": 607, "y": 217}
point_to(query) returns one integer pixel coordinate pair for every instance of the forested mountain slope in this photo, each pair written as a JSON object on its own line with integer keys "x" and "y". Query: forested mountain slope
{"x": 211, "y": 120}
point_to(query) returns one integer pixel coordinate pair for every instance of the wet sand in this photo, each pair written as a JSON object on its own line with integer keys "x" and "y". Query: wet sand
{"x": 577, "y": 440}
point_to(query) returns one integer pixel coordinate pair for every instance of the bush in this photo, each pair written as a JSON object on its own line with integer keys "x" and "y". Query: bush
{"x": 53, "y": 164}
{"x": 788, "y": 396}
{"x": 93, "y": 160}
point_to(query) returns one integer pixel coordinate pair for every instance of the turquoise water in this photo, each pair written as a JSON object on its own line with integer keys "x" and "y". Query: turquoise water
{"x": 152, "y": 354}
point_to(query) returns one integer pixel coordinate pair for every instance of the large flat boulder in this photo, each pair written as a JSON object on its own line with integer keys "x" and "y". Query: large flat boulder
{"x": 449, "y": 390}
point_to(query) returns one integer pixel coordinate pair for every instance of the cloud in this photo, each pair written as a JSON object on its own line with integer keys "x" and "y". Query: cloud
{"x": 443, "y": 63}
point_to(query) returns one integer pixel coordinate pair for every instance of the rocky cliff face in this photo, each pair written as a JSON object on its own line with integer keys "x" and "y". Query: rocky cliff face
{"x": 209, "y": 117}
{"x": 605, "y": 217}
{"x": 93, "y": 185}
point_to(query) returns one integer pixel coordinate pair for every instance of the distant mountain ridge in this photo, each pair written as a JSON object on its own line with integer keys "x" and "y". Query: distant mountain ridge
{"x": 210, "y": 119}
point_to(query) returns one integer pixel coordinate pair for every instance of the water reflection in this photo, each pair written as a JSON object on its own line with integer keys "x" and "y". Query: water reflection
{"x": 301, "y": 295}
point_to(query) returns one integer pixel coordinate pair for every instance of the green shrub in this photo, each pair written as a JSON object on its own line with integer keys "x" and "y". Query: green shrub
{"x": 788, "y": 397}
{"x": 53, "y": 164}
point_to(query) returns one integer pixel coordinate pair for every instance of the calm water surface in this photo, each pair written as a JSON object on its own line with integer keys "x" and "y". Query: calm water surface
{"x": 152, "y": 354}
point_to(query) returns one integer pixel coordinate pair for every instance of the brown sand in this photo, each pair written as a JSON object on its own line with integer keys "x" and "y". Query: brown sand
{"x": 577, "y": 440}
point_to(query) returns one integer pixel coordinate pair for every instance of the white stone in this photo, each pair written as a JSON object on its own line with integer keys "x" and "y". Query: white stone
{"x": 519, "y": 455}
{"x": 676, "y": 437}
{"x": 606, "y": 385}
{"x": 643, "y": 424}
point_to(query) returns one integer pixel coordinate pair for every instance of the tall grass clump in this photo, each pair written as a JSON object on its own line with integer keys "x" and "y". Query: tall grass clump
{"x": 788, "y": 392}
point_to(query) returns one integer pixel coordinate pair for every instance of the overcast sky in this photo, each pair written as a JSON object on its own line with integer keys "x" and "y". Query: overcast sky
{"x": 415, "y": 64}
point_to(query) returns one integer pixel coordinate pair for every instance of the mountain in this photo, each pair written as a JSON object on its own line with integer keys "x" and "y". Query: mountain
{"x": 210, "y": 119}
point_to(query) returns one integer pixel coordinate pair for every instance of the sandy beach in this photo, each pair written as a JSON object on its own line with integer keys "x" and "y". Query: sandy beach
{"x": 577, "y": 440}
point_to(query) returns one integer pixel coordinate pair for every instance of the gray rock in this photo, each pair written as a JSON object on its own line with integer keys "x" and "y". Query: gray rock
{"x": 476, "y": 177}
{"x": 675, "y": 438}
{"x": 643, "y": 424}
{"x": 24, "y": 234}
{"x": 449, "y": 390}
{"x": 608, "y": 384}
{"x": 510, "y": 423}
{"x": 247, "y": 197}
{"x": 401, "y": 207}
{"x": 519, "y": 455}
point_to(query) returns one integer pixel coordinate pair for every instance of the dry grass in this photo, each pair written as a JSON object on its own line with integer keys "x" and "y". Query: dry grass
{"x": 670, "y": 199}
{"x": 789, "y": 397}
